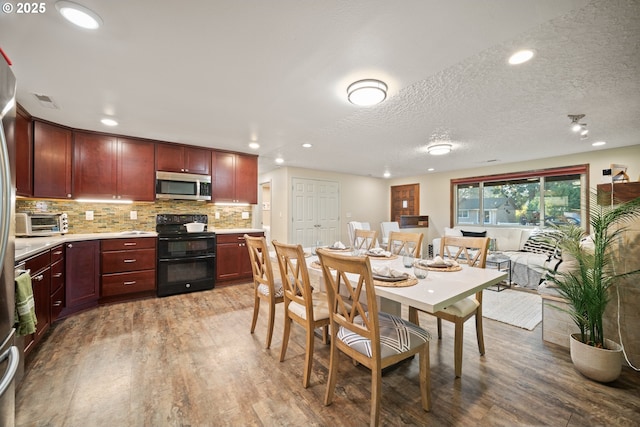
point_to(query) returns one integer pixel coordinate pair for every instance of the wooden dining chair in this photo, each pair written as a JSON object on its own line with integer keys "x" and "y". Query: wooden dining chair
{"x": 301, "y": 305}
{"x": 365, "y": 239}
{"x": 265, "y": 286}
{"x": 374, "y": 339}
{"x": 400, "y": 242}
{"x": 471, "y": 251}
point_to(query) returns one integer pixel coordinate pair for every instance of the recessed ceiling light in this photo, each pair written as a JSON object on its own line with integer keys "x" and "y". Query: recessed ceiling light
{"x": 439, "y": 149}
{"x": 521, "y": 57}
{"x": 279, "y": 160}
{"x": 367, "y": 92}
{"x": 386, "y": 174}
{"x": 430, "y": 170}
{"x": 109, "y": 122}
{"x": 254, "y": 145}
{"x": 598, "y": 143}
{"x": 307, "y": 145}
{"x": 79, "y": 15}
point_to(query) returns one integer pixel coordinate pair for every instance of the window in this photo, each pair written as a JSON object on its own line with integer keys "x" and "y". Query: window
{"x": 536, "y": 198}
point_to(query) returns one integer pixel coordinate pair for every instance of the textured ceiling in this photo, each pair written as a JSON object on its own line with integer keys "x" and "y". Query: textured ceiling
{"x": 223, "y": 73}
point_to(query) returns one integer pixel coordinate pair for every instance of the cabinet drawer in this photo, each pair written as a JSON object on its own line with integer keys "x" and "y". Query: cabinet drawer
{"x": 121, "y": 261}
{"x": 57, "y": 303}
{"x": 126, "y": 244}
{"x": 38, "y": 262}
{"x": 57, "y": 253}
{"x": 57, "y": 276}
{"x": 126, "y": 283}
{"x": 234, "y": 237}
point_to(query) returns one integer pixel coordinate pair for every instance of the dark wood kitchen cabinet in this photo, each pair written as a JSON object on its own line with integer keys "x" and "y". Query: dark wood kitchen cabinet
{"x": 232, "y": 257}
{"x": 24, "y": 153}
{"x": 180, "y": 158}
{"x": 52, "y": 161}
{"x": 128, "y": 268}
{"x": 108, "y": 167}
{"x": 40, "y": 270}
{"x": 235, "y": 178}
{"x": 57, "y": 282}
{"x": 82, "y": 268}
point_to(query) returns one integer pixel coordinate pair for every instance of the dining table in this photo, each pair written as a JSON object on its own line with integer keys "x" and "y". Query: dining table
{"x": 440, "y": 289}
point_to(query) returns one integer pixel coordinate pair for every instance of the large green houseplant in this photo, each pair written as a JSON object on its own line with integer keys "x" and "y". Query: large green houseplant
{"x": 586, "y": 286}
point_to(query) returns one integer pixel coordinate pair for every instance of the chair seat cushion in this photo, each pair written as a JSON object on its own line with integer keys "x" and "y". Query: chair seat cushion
{"x": 320, "y": 307}
{"x": 264, "y": 289}
{"x": 463, "y": 307}
{"x": 396, "y": 336}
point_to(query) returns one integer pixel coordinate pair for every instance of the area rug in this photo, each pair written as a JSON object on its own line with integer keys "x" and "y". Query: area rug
{"x": 517, "y": 308}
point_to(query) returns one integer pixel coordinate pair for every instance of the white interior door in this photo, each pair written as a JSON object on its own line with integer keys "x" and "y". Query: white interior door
{"x": 315, "y": 211}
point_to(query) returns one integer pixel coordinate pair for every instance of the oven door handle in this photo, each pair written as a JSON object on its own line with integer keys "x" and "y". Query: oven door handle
{"x": 187, "y": 258}
{"x": 185, "y": 237}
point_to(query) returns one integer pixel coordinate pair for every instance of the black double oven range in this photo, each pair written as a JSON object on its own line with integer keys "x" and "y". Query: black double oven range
{"x": 186, "y": 260}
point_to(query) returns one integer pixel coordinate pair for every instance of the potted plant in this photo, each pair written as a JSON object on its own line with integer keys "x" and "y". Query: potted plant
{"x": 586, "y": 286}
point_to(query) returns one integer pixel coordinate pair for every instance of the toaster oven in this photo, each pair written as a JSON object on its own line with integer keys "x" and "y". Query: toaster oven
{"x": 41, "y": 224}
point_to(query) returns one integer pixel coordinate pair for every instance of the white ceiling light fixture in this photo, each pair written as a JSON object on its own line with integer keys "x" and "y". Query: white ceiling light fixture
{"x": 521, "y": 56}
{"x": 576, "y": 126}
{"x": 109, "y": 122}
{"x": 279, "y": 160}
{"x": 387, "y": 174}
{"x": 254, "y": 145}
{"x": 439, "y": 149}
{"x": 307, "y": 145}
{"x": 598, "y": 143}
{"x": 367, "y": 92}
{"x": 79, "y": 15}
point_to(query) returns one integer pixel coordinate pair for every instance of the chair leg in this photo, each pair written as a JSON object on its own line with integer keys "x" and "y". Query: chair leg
{"x": 459, "y": 339}
{"x": 325, "y": 334}
{"x": 333, "y": 370}
{"x": 308, "y": 357}
{"x": 272, "y": 318}
{"x": 479, "y": 333}
{"x": 376, "y": 391}
{"x": 413, "y": 316}
{"x": 439, "y": 328}
{"x": 425, "y": 378}
{"x": 285, "y": 337}
{"x": 256, "y": 310}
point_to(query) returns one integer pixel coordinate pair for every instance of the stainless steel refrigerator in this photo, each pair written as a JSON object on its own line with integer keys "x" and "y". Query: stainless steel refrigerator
{"x": 9, "y": 354}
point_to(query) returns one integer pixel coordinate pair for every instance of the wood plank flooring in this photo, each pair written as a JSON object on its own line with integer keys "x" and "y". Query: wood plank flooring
{"x": 189, "y": 360}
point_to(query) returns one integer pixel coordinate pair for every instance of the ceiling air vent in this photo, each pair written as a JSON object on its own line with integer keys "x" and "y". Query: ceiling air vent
{"x": 45, "y": 101}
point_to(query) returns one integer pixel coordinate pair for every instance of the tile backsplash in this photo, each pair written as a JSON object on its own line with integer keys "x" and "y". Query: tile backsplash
{"x": 113, "y": 217}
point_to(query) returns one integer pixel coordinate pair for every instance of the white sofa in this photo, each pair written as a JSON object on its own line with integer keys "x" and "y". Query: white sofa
{"x": 522, "y": 245}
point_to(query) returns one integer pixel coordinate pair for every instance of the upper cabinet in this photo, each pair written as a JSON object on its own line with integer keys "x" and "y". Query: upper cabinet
{"x": 24, "y": 154}
{"x": 109, "y": 167}
{"x": 179, "y": 158}
{"x": 52, "y": 147}
{"x": 235, "y": 178}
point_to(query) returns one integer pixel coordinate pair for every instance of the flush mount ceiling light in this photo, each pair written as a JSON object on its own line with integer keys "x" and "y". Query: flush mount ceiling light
{"x": 576, "y": 126}
{"x": 367, "y": 92}
{"x": 521, "y": 56}
{"x": 307, "y": 145}
{"x": 254, "y": 145}
{"x": 439, "y": 149}
{"x": 109, "y": 122}
{"x": 79, "y": 15}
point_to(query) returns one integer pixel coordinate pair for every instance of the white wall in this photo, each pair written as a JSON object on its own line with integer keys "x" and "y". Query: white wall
{"x": 368, "y": 199}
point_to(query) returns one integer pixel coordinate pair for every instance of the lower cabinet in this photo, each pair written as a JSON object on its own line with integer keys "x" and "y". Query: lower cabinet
{"x": 128, "y": 268}
{"x": 57, "y": 282}
{"x": 40, "y": 268}
{"x": 82, "y": 267}
{"x": 232, "y": 257}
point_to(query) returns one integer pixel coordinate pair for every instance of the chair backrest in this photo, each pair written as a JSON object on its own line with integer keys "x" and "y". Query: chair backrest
{"x": 295, "y": 276}
{"x": 352, "y": 226}
{"x": 354, "y": 274}
{"x": 386, "y": 227}
{"x": 400, "y": 242}
{"x": 365, "y": 239}
{"x": 468, "y": 250}
{"x": 260, "y": 261}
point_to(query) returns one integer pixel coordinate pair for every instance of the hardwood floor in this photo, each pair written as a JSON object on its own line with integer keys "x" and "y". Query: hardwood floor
{"x": 189, "y": 360}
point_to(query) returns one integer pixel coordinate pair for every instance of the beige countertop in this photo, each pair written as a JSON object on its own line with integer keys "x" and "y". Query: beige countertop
{"x": 29, "y": 246}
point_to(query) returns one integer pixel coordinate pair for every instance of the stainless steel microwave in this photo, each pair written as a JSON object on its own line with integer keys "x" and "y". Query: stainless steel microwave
{"x": 41, "y": 224}
{"x": 186, "y": 186}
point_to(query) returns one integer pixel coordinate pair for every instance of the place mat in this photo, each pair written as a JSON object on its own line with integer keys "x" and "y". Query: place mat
{"x": 450, "y": 268}
{"x": 338, "y": 249}
{"x": 410, "y": 281}
{"x": 393, "y": 256}
{"x": 316, "y": 265}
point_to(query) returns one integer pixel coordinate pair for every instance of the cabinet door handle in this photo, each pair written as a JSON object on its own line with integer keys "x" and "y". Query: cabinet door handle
{"x": 57, "y": 303}
{"x": 39, "y": 278}
{"x": 130, "y": 260}
{"x": 130, "y": 243}
{"x": 57, "y": 253}
{"x": 132, "y": 282}
{"x": 56, "y": 275}
{"x": 69, "y": 245}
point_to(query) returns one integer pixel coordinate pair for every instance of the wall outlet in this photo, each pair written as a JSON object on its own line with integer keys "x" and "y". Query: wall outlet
{"x": 133, "y": 215}
{"x": 217, "y": 215}
{"x": 88, "y": 215}
{"x": 245, "y": 215}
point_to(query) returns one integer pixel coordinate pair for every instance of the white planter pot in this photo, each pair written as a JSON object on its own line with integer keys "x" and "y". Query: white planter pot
{"x": 602, "y": 365}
